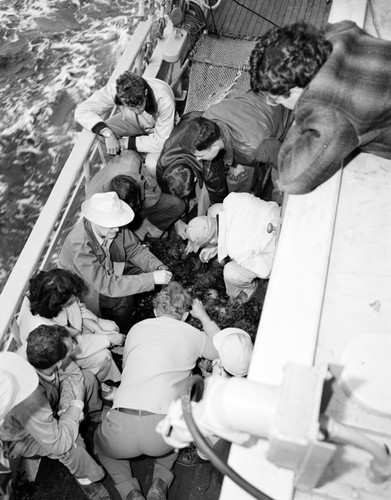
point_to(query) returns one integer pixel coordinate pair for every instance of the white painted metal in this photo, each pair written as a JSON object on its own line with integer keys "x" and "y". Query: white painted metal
{"x": 32, "y": 252}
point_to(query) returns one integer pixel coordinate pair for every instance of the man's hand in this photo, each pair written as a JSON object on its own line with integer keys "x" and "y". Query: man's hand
{"x": 198, "y": 310}
{"x": 191, "y": 247}
{"x": 208, "y": 253}
{"x": 116, "y": 338}
{"x": 236, "y": 172}
{"x": 162, "y": 277}
{"x": 112, "y": 145}
{"x": 180, "y": 228}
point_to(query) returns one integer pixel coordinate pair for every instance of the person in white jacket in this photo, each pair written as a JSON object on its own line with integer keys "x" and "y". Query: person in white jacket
{"x": 145, "y": 120}
{"x": 239, "y": 230}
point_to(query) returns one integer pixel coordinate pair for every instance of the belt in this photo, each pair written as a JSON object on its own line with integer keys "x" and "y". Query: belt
{"x": 140, "y": 413}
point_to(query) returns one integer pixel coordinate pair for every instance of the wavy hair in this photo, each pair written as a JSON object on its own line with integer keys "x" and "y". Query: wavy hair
{"x": 128, "y": 191}
{"x": 50, "y": 290}
{"x": 287, "y": 57}
{"x": 45, "y": 346}
{"x": 201, "y": 134}
{"x": 179, "y": 180}
{"x": 172, "y": 301}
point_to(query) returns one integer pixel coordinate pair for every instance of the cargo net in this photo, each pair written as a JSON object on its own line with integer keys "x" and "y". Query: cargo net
{"x": 219, "y": 70}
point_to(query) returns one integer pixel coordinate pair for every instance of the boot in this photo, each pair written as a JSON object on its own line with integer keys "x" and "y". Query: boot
{"x": 158, "y": 490}
{"x": 94, "y": 491}
{"x": 135, "y": 495}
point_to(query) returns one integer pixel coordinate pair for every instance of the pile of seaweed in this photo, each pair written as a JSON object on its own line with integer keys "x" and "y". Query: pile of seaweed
{"x": 204, "y": 282}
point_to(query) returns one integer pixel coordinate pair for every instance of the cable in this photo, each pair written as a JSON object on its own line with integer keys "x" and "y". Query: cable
{"x": 224, "y": 468}
{"x": 256, "y": 13}
{"x": 213, "y": 19}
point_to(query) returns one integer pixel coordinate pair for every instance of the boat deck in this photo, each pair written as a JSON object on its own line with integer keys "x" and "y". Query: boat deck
{"x": 242, "y": 19}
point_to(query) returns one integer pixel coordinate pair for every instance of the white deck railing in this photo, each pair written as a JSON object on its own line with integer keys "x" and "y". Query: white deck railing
{"x": 76, "y": 168}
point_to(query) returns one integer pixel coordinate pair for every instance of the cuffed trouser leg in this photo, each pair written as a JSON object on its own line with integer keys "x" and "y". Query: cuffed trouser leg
{"x": 237, "y": 279}
{"x": 76, "y": 459}
{"x": 101, "y": 364}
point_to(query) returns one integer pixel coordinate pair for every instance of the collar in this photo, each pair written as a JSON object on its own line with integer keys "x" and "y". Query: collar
{"x": 222, "y": 252}
{"x": 228, "y": 151}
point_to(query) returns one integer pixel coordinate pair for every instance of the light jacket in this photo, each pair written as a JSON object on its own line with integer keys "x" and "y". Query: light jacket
{"x": 243, "y": 232}
{"x": 36, "y": 417}
{"x": 83, "y": 255}
{"x": 347, "y": 106}
{"x": 157, "y": 127}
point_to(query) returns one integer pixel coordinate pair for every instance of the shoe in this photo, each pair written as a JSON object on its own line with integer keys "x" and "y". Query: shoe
{"x": 94, "y": 491}
{"x": 135, "y": 495}
{"x": 158, "y": 490}
{"x": 244, "y": 297}
{"x": 189, "y": 456}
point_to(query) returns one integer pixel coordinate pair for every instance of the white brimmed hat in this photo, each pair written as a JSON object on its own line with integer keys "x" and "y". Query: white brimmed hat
{"x": 18, "y": 380}
{"x": 235, "y": 349}
{"x": 107, "y": 210}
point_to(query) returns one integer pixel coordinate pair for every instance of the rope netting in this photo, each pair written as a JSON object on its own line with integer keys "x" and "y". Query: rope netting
{"x": 219, "y": 70}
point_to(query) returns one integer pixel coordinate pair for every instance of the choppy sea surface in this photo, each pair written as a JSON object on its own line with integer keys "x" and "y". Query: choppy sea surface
{"x": 53, "y": 55}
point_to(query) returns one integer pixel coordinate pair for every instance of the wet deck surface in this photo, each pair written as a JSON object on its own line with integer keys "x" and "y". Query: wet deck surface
{"x": 242, "y": 19}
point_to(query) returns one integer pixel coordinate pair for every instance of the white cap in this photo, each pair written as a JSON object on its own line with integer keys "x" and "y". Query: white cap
{"x": 18, "y": 379}
{"x": 235, "y": 349}
{"x": 107, "y": 210}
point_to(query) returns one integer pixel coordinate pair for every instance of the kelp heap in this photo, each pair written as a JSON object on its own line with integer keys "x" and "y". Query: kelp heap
{"x": 205, "y": 282}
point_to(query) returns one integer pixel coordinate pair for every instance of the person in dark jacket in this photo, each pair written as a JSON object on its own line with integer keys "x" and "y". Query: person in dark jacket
{"x": 337, "y": 81}
{"x": 223, "y": 144}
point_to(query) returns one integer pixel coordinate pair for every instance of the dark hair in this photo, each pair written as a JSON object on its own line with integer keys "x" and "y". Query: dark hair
{"x": 45, "y": 346}
{"x": 50, "y": 290}
{"x": 173, "y": 300}
{"x": 288, "y": 57}
{"x": 179, "y": 180}
{"x": 128, "y": 190}
{"x": 130, "y": 90}
{"x": 201, "y": 134}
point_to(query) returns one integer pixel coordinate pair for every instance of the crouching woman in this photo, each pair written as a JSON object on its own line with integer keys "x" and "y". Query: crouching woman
{"x": 54, "y": 298}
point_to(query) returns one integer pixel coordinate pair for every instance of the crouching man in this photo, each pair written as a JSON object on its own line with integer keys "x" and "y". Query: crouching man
{"x": 46, "y": 423}
{"x": 242, "y": 230}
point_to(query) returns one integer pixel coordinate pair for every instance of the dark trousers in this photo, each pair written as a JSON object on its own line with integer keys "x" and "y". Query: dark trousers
{"x": 120, "y": 309}
{"x": 165, "y": 212}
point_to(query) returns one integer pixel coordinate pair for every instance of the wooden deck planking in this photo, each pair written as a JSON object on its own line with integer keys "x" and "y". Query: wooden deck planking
{"x": 233, "y": 20}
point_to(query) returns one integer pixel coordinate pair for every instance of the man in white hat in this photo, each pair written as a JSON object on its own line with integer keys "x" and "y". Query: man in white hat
{"x": 18, "y": 380}
{"x": 46, "y": 423}
{"x": 243, "y": 231}
{"x": 110, "y": 259}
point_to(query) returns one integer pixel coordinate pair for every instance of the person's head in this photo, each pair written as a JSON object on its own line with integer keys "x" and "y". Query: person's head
{"x": 173, "y": 301}
{"x": 235, "y": 349}
{"x": 132, "y": 92}
{"x": 18, "y": 380}
{"x": 179, "y": 180}
{"x": 202, "y": 231}
{"x": 107, "y": 213}
{"x": 48, "y": 345}
{"x": 128, "y": 191}
{"x": 203, "y": 138}
{"x": 50, "y": 291}
{"x": 285, "y": 60}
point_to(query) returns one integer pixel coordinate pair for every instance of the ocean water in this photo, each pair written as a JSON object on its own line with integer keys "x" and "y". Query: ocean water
{"x": 53, "y": 55}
